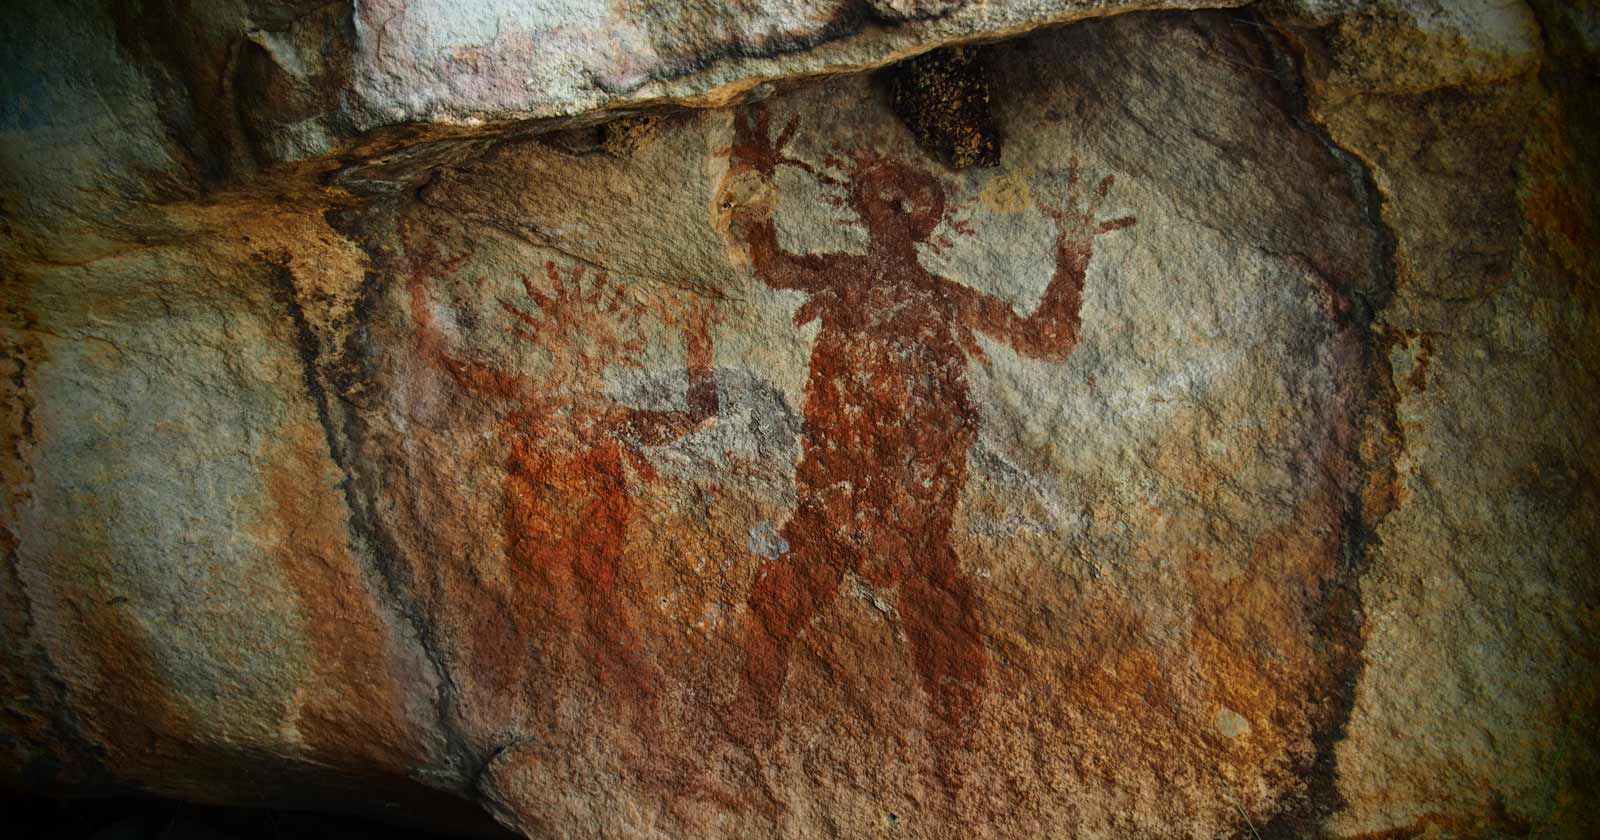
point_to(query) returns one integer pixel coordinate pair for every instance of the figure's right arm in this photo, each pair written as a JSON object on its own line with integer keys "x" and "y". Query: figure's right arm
{"x": 776, "y": 267}
{"x": 747, "y": 198}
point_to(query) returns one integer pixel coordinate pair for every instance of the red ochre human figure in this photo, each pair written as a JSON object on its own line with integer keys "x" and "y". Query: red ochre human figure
{"x": 889, "y": 416}
{"x": 567, "y": 501}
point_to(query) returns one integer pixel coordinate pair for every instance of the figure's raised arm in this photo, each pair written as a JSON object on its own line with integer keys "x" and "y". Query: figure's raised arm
{"x": 488, "y": 381}
{"x": 1052, "y": 330}
{"x": 654, "y": 428}
{"x": 746, "y": 199}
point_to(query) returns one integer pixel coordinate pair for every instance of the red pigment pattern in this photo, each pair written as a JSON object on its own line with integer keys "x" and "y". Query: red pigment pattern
{"x": 567, "y": 501}
{"x": 889, "y": 419}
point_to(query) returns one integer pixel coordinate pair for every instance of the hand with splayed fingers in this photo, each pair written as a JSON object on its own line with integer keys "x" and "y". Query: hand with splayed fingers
{"x": 755, "y": 148}
{"x": 1076, "y": 225}
{"x": 748, "y": 195}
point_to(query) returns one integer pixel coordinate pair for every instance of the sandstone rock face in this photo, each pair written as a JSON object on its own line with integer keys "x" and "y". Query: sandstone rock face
{"x": 113, "y": 105}
{"x": 1219, "y": 462}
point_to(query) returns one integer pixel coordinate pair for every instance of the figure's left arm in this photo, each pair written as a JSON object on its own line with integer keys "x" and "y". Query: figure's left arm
{"x": 654, "y": 428}
{"x": 1051, "y": 331}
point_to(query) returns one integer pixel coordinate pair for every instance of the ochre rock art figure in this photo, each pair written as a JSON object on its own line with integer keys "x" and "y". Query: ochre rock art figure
{"x": 889, "y": 416}
{"x": 567, "y": 502}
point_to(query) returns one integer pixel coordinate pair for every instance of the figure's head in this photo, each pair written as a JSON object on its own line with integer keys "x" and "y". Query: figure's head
{"x": 894, "y": 200}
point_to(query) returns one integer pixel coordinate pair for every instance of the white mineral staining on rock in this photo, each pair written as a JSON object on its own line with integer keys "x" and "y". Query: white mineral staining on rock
{"x": 1230, "y": 724}
{"x": 765, "y": 540}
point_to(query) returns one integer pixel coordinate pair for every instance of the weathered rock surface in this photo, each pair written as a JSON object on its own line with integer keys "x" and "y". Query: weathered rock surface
{"x": 111, "y": 105}
{"x": 1222, "y": 462}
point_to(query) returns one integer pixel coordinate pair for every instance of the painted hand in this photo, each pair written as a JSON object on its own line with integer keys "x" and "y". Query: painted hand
{"x": 1076, "y": 225}
{"x": 756, "y": 149}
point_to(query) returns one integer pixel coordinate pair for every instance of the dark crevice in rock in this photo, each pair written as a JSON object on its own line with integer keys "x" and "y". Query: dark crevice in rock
{"x": 363, "y": 489}
{"x": 1341, "y": 619}
{"x": 367, "y": 534}
{"x": 943, "y": 97}
{"x": 310, "y": 350}
{"x": 470, "y": 763}
{"x": 140, "y": 817}
{"x": 85, "y": 762}
{"x": 189, "y": 94}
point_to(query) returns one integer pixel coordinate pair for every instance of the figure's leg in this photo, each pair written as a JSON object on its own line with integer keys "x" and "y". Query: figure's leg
{"x": 543, "y": 576}
{"x": 622, "y": 663}
{"x": 939, "y": 613}
{"x": 789, "y": 592}
{"x": 606, "y": 637}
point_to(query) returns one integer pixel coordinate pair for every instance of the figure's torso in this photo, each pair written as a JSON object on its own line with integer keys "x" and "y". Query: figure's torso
{"x": 889, "y": 416}
{"x": 567, "y": 497}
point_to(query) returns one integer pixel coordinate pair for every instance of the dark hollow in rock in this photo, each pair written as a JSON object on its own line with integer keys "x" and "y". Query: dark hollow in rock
{"x": 943, "y": 97}
{"x": 133, "y": 817}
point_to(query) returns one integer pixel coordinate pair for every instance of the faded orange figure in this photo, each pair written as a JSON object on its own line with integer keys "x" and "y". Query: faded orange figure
{"x": 889, "y": 416}
{"x": 567, "y": 502}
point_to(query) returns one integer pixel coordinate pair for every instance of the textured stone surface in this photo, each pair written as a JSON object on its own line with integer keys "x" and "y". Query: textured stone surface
{"x": 110, "y": 105}
{"x": 443, "y": 61}
{"x": 1219, "y": 463}
{"x": 1496, "y": 482}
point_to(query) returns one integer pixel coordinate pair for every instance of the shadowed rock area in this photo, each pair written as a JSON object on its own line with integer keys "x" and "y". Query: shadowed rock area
{"x": 147, "y": 818}
{"x": 824, "y": 419}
